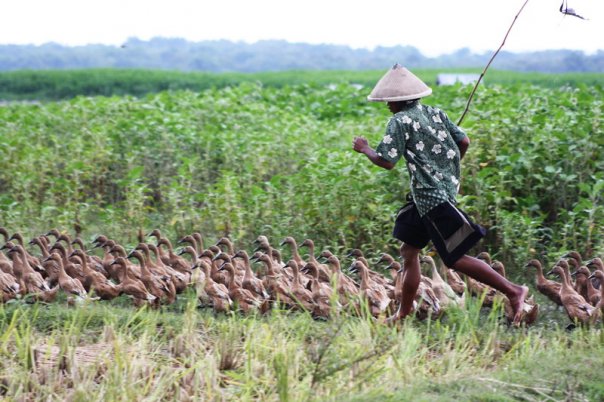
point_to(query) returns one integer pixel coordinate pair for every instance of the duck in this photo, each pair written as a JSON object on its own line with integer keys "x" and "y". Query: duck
{"x": 33, "y": 261}
{"x": 321, "y": 293}
{"x": 454, "y": 280}
{"x": 72, "y": 269}
{"x": 171, "y": 259}
{"x": 198, "y": 276}
{"x": 547, "y": 287}
{"x": 442, "y": 290}
{"x": 132, "y": 286}
{"x": 31, "y": 281}
{"x": 295, "y": 255}
{"x": 577, "y": 308}
{"x": 485, "y": 256}
{"x": 89, "y": 275}
{"x": 595, "y": 263}
{"x": 64, "y": 237}
{"x": 95, "y": 282}
{"x": 180, "y": 279}
{"x": 324, "y": 270}
{"x": 357, "y": 254}
{"x": 220, "y": 275}
{"x": 217, "y": 292}
{"x": 94, "y": 262}
{"x": 585, "y": 285}
{"x": 574, "y": 254}
{"x": 250, "y": 281}
{"x": 193, "y": 241}
{"x": 38, "y": 241}
{"x": 298, "y": 292}
{"x": 575, "y": 264}
{"x": 276, "y": 284}
{"x": 155, "y": 285}
{"x": 375, "y": 294}
{"x": 599, "y": 276}
{"x": 67, "y": 283}
{"x": 346, "y": 287}
{"x": 9, "y": 287}
{"x": 245, "y": 300}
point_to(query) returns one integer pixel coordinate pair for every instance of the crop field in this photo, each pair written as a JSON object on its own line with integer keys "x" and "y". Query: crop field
{"x": 240, "y": 161}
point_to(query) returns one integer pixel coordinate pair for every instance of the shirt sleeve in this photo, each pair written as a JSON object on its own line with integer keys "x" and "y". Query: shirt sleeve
{"x": 392, "y": 146}
{"x": 456, "y": 132}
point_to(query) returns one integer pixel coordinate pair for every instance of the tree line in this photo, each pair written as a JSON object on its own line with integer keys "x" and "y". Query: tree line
{"x": 277, "y": 55}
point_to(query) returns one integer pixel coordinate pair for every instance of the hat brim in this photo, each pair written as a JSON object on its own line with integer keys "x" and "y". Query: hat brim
{"x": 401, "y": 98}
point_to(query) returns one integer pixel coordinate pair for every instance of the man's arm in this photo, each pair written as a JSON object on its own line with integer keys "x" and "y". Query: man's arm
{"x": 360, "y": 145}
{"x": 463, "y": 146}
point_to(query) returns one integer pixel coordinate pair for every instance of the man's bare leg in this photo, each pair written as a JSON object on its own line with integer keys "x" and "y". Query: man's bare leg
{"x": 411, "y": 278}
{"x": 482, "y": 272}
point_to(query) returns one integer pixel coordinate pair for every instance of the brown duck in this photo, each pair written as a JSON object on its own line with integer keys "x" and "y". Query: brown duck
{"x": 547, "y": 287}
{"x": 577, "y": 308}
{"x": 375, "y": 293}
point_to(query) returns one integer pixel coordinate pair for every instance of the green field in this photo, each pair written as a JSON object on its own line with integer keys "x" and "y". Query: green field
{"x": 276, "y": 159}
{"x": 64, "y": 84}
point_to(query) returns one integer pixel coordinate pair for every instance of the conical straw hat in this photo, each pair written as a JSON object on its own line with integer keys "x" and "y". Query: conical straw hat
{"x": 398, "y": 84}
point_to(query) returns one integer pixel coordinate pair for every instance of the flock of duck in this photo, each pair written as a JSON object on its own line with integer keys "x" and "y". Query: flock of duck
{"x": 225, "y": 279}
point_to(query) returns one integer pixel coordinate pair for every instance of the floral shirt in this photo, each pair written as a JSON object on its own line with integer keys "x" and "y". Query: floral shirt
{"x": 428, "y": 140}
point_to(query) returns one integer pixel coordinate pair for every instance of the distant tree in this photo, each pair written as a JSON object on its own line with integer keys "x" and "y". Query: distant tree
{"x": 276, "y": 55}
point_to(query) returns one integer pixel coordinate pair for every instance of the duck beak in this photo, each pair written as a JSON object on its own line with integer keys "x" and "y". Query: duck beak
{"x": 573, "y": 273}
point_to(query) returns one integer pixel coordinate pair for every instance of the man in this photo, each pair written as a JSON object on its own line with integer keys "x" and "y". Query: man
{"x": 433, "y": 147}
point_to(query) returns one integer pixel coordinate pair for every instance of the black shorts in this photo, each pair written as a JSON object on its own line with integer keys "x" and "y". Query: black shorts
{"x": 450, "y": 230}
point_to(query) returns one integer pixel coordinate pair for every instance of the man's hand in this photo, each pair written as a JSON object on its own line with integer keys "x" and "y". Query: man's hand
{"x": 360, "y": 145}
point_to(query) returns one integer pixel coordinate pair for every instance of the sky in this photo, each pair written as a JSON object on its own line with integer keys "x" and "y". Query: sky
{"x": 433, "y": 26}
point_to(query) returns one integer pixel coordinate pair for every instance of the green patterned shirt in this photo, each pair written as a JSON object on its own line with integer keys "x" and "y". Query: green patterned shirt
{"x": 428, "y": 140}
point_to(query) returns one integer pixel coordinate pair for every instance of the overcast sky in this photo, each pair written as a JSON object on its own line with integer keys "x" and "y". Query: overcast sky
{"x": 432, "y": 26}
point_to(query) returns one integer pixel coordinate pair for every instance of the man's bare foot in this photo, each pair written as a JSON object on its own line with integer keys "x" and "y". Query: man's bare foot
{"x": 517, "y": 303}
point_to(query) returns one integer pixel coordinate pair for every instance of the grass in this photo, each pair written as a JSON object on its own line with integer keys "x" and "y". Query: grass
{"x": 186, "y": 353}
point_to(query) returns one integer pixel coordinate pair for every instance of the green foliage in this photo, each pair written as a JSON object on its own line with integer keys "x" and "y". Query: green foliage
{"x": 43, "y": 85}
{"x": 251, "y": 159}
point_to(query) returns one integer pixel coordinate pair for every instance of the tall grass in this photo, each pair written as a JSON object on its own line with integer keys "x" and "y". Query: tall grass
{"x": 105, "y": 352}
